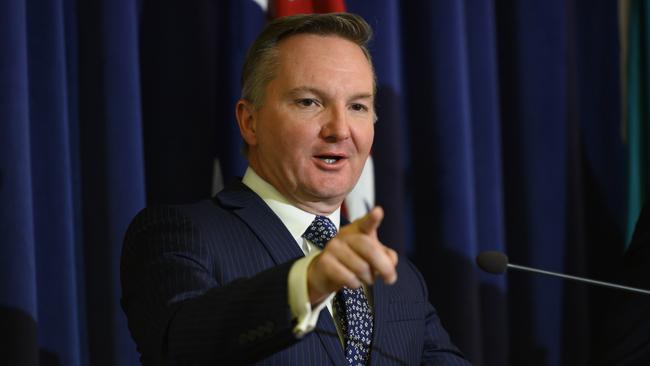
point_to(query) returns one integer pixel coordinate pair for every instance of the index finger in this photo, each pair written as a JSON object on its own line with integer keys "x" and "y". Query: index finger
{"x": 369, "y": 223}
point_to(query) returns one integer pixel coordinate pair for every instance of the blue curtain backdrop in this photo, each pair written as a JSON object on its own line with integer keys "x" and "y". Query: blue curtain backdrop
{"x": 499, "y": 128}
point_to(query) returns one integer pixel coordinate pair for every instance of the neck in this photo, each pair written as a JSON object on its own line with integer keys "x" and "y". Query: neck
{"x": 315, "y": 205}
{"x": 317, "y": 208}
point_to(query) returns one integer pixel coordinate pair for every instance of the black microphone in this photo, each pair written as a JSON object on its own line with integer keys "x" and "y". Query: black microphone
{"x": 497, "y": 263}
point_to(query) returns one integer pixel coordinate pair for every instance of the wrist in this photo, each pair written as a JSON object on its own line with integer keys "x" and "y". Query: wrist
{"x": 316, "y": 295}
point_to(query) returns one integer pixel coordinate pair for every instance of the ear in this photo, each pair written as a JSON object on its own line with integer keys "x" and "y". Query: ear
{"x": 247, "y": 121}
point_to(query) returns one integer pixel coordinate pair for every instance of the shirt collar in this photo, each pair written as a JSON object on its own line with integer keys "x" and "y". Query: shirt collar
{"x": 295, "y": 219}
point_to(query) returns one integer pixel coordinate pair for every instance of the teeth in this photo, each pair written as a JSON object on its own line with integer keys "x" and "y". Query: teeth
{"x": 329, "y": 161}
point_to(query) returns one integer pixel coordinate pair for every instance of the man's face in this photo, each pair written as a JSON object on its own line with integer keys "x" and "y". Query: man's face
{"x": 313, "y": 133}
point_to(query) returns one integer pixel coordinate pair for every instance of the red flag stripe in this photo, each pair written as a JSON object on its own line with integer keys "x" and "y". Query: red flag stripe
{"x": 281, "y": 8}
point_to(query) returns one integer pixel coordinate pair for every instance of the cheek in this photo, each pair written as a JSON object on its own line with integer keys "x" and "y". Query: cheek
{"x": 296, "y": 140}
{"x": 289, "y": 148}
{"x": 364, "y": 138}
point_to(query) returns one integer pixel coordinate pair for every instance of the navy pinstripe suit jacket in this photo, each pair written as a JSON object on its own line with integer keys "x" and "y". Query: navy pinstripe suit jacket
{"x": 207, "y": 284}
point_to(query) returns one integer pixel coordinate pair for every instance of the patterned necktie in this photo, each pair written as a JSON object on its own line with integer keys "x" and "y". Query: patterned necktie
{"x": 351, "y": 305}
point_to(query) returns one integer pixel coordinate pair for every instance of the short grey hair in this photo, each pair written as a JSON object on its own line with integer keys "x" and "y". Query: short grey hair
{"x": 260, "y": 66}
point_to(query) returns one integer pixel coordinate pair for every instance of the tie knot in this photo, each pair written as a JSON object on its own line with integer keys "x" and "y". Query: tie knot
{"x": 320, "y": 231}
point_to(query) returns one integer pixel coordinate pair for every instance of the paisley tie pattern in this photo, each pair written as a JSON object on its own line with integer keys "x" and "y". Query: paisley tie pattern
{"x": 353, "y": 312}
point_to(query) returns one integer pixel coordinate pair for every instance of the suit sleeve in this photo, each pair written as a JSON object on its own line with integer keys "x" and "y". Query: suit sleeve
{"x": 178, "y": 312}
{"x": 438, "y": 348}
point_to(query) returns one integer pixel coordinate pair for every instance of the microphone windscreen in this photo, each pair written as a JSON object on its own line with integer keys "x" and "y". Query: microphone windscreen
{"x": 492, "y": 261}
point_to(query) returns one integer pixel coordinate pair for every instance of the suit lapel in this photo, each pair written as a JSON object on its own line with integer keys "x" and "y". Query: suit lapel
{"x": 379, "y": 310}
{"x": 281, "y": 246}
{"x": 329, "y": 337}
{"x": 268, "y": 228}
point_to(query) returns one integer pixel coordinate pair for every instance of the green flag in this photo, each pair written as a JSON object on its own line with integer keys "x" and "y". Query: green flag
{"x": 637, "y": 109}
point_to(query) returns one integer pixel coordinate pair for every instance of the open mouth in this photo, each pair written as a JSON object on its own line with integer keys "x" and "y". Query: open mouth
{"x": 329, "y": 159}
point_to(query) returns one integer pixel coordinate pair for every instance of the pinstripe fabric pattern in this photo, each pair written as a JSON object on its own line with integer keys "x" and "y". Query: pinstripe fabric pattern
{"x": 207, "y": 284}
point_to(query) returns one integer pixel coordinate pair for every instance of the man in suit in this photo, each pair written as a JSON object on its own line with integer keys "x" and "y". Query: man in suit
{"x": 263, "y": 273}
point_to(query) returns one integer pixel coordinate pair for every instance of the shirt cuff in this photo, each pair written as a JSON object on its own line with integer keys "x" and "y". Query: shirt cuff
{"x": 299, "y": 303}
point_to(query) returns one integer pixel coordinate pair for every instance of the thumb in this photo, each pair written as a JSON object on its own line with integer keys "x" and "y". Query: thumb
{"x": 369, "y": 223}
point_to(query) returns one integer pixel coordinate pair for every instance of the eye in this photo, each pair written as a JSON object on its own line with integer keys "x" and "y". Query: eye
{"x": 358, "y": 107}
{"x": 307, "y": 102}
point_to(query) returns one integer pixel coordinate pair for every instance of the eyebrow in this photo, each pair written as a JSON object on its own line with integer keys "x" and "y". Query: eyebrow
{"x": 305, "y": 89}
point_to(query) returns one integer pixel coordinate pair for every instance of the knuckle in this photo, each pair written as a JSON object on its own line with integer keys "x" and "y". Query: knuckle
{"x": 363, "y": 267}
{"x": 334, "y": 244}
{"x": 350, "y": 280}
{"x": 325, "y": 259}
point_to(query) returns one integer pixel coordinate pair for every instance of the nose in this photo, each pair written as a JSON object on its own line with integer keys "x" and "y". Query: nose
{"x": 336, "y": 127}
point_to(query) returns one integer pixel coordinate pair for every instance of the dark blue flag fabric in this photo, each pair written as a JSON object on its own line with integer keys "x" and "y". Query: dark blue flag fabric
{"x": 500, "y": 128}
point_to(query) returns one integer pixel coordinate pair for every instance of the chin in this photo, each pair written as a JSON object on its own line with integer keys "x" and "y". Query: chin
{"x": 331, "y": 195}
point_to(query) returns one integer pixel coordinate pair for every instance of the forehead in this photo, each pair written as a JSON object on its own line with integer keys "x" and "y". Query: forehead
{"x": 310, "y": 57}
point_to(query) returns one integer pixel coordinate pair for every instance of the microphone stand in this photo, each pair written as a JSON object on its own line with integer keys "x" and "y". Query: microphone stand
{"x": 579, "y": 279}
